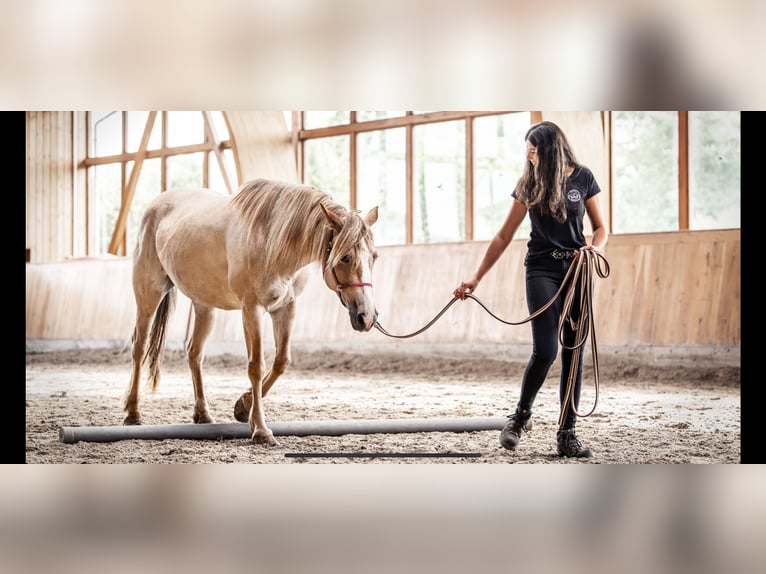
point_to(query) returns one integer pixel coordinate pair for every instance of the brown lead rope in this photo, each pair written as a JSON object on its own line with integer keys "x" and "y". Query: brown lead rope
{"x": 578, "y": 273}
{"x": 583, "y": 276}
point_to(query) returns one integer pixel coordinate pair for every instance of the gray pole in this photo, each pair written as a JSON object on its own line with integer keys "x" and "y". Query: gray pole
{"x": 215, "y": 431}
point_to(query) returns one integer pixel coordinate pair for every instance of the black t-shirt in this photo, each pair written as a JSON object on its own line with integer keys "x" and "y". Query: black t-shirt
{"x": 548, "y": 234}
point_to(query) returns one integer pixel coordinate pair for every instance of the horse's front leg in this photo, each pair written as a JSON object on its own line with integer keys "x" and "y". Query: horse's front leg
{"x": 262, "y": 434}
{"x": 282, "y": 320}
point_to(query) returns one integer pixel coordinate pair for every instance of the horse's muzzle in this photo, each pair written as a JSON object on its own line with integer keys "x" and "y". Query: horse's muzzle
{"x": 362, "y": 320}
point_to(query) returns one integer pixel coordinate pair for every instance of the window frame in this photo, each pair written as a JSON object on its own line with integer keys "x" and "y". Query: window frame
{"x": 299, "y": 135}
{"x": 411, "y": 119}
{"x": 408, "y": 121}
{"x": 684, "y": 177}
{"x": 211, "y": 144}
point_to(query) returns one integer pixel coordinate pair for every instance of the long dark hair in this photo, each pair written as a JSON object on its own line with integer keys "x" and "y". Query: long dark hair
{"x": 544, "y": 186}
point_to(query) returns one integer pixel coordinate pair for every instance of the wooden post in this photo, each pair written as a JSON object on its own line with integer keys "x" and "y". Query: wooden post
{"x": 210, "y": 131}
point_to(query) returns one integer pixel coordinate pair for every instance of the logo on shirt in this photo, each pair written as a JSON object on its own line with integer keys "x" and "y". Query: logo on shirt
{"x": 573, "y": 195}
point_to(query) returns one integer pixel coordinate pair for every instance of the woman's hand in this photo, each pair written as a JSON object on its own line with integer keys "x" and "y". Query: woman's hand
{"x": 464, "y": 288}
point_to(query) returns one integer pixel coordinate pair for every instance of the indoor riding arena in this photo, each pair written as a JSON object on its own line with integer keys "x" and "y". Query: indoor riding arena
{"x": 434, "y": 379}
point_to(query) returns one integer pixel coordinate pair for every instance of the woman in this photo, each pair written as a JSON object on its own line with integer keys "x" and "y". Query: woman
{"x": 556, "y": 191}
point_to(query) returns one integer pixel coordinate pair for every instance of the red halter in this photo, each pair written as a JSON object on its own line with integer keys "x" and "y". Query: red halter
{"x": 344, "y": 285}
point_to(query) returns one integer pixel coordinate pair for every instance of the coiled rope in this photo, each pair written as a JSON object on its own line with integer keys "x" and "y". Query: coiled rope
{"x": 580, "y": 273}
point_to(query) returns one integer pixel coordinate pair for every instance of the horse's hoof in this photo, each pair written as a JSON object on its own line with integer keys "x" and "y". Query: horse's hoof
{"x": 132, "y": 420}
{"x": 260, "y": 437}
{"x": 242, "y": 407}
{"x": 203, "y": 418}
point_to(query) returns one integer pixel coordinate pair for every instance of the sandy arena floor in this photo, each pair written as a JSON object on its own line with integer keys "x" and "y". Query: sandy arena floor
{"x": 644, "y": 414}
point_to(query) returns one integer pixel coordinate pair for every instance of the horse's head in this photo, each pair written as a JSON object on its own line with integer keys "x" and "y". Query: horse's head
{"x": 348, "y": 263}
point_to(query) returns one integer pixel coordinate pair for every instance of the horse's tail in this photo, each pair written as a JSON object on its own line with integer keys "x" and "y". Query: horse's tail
{"x": 156, "y": 347}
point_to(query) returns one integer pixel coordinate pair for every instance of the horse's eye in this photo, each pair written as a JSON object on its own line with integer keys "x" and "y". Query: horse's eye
{"x": 346, "y": 259}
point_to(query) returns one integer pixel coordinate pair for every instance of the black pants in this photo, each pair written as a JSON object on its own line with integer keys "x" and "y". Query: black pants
{"x": 544, "y": 277}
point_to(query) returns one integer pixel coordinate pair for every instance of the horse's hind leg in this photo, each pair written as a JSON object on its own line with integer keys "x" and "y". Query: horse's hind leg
{"x": 140, "y": 334}
{"x": 203, "y": 325}
{"x": 153, "y": 306}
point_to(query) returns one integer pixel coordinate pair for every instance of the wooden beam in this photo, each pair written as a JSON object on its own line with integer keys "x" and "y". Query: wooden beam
{"x": 297, "y": 125}
{"x": 353, "y": 200}
{"x": 409, "y": 187}
{"x": 609, "y": 169}
{"x": 683, "y": 170}
{"x": 212, "y": 136}
{"x": 403, "y": 121}
{"x": 130, "y": 190}
{"x": 469, "y": 191}
{"x": 154, "y": 153}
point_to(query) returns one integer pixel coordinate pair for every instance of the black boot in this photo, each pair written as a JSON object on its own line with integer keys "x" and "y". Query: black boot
{"x": 518, "y": 423}
{"x": 568, "y": 445}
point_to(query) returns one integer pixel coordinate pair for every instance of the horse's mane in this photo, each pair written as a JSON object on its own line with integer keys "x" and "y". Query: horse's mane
{"x": 285, "y": 218}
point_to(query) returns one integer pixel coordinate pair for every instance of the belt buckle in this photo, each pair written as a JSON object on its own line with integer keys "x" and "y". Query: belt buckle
{"x": 556, "y": 254}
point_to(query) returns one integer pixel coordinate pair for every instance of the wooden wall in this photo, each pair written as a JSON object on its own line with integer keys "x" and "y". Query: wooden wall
{"x": 666, "y": 290}
{"x": 262, "y": 146}
{"x": 55, "y": 209}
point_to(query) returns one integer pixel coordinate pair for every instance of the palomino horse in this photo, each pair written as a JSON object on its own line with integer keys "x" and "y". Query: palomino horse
{"x": 251, "y": 251}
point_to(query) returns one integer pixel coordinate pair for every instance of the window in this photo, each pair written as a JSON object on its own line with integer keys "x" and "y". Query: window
{"x": 185, "y": 170}
{"x": 382, "y": 182}
{"x": 436, "y": 175}
{"x": 328, "y": 163}
{"x": 499, "y": 155}
{"x": 675, "y": 170}
{"x": 106, "y": 133}
{"x": 370, "y": 116}
{"x": 671, "y": 170}
{"x": 714, "y": 170}
{"x": 645, "y": 171}
{"x": 414, "y": 166}
{"x": 146, "y": 191}
{"x": 136, "y": 122}
{"x": 326, "y": 118}
{"x": 439, "y": 186}
{"x": 106, "y": 197}
{"x": 186, "y": 157}
{"x": 185, "y": 128}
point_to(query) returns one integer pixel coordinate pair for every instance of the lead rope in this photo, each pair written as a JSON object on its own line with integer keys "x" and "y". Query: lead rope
{"x": 578, "y": 272}
{"x": 583, "y": 276}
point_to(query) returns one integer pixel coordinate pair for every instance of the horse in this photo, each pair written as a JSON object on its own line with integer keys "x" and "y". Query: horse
{"x": 251, "y": 251}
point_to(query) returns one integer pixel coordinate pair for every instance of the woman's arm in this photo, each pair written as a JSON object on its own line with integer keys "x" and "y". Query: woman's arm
{"x": 600, "y": 234}
{"x": 495, "y": 249}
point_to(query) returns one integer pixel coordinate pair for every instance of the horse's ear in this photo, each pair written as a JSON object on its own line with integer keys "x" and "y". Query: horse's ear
{"x": 372, "y": 216}
{"x": 334, "y": 220}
